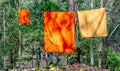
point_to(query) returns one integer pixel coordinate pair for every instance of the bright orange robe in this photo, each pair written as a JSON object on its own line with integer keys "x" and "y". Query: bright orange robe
{"x": 92, "y": 23}
{"x": 23, "y": 17}
{"x": 59, "y": 32}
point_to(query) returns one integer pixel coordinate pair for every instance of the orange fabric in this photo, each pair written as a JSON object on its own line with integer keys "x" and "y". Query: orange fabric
{"x": 92, "y": 23}
{"x": 23, "y": 17}
{"x": 59, "y": 32}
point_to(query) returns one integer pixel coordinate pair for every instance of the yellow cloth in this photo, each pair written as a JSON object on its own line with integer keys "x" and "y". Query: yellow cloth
{"x": 92, "y": 23}
{"x": 59, "y": 32}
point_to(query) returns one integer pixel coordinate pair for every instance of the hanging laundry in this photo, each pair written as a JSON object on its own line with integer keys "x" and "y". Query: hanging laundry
{"x": 92, "y": 23}
{"x": 23, "y": 17}
{"x": 59, "y": 32}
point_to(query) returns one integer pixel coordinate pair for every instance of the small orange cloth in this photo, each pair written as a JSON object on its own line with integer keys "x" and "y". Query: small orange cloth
{"x": 92, "y": 23}
{"x": 23, "y": 17}
{"x": 59, "y": 32}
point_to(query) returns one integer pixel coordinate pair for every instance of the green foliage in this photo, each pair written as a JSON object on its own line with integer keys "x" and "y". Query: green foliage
{"x": 82, "y": 52}
{"x": 27, "y": 58}
{"x": 52, "y": 67}
{"x": 34, "y": 33}
{"x": 1, "y": 62}
{"x": 113, "y": 60}
{"x": 48, "y": 6}
{"x": 37, "y": 69}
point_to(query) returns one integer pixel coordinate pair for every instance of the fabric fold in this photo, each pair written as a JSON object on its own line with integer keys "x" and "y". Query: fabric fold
{"x": 92, "y": 23}
{"x": 59, "y": 32}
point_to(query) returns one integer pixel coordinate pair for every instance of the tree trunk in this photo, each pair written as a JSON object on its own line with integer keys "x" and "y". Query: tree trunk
{"x": 100, "y": 45}
{"x": 70, "y": 4}
{"x": 76, "y": 32}
{"x": 39, "y": 55}
{"x": 91, "y": 52}
{"x": 76, "y": 22}
{"x": 4, "y": 35}
{"x": 32, "y": 53}
{"x": 19, "y": 58}
{"x": 32, "y": 60}
{"x": 11, "y": 58}
{"x": 20, "y": 39}
{"x": 91, "y": 44}
{"x": 100, "y": 49}
{"x": 46, "y": 58}
{"x": 37, "y": 61}
{"x": 36, "y": 54}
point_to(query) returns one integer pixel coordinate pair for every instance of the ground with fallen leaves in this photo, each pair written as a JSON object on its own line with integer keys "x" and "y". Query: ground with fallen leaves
{"x": 73, "y": 67}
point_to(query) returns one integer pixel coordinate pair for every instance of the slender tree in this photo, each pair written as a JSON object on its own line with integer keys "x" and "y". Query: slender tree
{"x": 100, "y": 44}
{"x": 20, "y": 38}
{"x": 70, "y": 5}
{"x": 91, "y": 44}
{"x": 4, "y": 35}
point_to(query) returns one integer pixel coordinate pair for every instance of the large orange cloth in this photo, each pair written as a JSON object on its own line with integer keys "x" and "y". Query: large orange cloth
{"x": 59, "y": 32}
{"x": 92, "y": 23}
{"x": 23, "y": 17}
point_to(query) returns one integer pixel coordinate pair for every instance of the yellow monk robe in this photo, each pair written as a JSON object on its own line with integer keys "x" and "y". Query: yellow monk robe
{"x": 23, "y": 17}
{"x": 59, "y": 32}
{"x": 92, "y": 23}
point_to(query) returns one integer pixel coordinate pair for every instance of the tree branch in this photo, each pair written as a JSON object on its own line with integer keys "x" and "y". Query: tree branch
{"x": 113, "y": 31}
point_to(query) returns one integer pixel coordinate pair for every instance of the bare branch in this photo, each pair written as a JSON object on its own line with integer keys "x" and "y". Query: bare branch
{"x": 113, "y": 31}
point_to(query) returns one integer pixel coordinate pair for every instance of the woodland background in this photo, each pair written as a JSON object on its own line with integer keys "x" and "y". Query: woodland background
{"x": 100, "y": 52}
